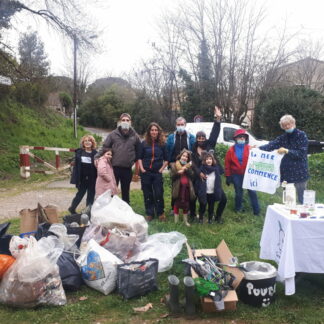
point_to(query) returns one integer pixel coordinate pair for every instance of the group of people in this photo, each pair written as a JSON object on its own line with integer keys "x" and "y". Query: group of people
{"x": 195, "y": 170}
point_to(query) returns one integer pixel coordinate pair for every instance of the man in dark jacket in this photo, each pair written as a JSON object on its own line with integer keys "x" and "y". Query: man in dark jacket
{"x": 125, "y": 144}
{"x": 294, "y": 144}
{"x": 178, "y": 140}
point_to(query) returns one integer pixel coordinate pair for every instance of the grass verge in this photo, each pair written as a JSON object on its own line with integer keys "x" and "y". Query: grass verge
{"x": 242, "y": 233}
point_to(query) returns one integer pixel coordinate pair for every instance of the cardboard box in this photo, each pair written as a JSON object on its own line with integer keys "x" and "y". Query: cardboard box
{"x": 224, "y": 255}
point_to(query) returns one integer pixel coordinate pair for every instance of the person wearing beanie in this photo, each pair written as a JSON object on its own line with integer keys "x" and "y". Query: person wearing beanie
{"x": 235, "y": 164}
{"x": 125, "y": 144}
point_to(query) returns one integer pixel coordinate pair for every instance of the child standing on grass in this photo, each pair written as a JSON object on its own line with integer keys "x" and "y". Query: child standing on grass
{"x": 84, "y": 173}
{"x": 235, "y": 164}
{"x": 105, "y": 179}
{"x": 183, "y": 192}
{"x": 210, "y": 189}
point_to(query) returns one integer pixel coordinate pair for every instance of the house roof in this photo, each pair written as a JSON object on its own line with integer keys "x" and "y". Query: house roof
{"x": 308, "y": 58}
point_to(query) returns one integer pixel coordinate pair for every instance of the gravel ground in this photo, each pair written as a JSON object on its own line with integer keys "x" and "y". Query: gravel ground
{"x": 59, "y": 193}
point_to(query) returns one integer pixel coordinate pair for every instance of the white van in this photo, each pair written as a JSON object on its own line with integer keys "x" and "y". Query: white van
{"x": 226, "y": 133}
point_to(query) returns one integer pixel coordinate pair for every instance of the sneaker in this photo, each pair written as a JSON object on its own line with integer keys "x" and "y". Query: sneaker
{"x": 210, "y": 221}
{"x": 219, "y": 221}
{"x": 201, "y": 221}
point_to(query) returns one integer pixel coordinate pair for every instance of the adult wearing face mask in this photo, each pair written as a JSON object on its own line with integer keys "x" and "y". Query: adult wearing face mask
{"x": 125, "y": 144}
{"x": 179, "y": 140}
{"x": 176, "y": 142}
{"x": 294, "y": 144}
{"x": 235, "y": 164}
{"x": 201, "y": 146}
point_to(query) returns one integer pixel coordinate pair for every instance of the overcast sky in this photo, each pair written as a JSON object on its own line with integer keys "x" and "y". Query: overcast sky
{"x": 129, "y": 26}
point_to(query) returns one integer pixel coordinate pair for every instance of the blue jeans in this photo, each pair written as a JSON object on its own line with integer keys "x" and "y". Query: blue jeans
{"x": 152, "y": 186}
{"x": 238, "y": 182}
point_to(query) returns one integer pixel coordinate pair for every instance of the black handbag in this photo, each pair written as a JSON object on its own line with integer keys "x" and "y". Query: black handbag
{"x": 136, "y": 279}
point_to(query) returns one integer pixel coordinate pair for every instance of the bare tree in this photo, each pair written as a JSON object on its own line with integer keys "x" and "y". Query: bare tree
{"x": 66, "y": 16}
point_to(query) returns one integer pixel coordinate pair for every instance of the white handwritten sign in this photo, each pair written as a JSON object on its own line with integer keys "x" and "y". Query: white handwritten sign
{"x": 263, "y": 171}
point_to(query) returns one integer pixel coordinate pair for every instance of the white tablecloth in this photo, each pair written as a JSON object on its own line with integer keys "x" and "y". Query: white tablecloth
{"x": 297, "y": 245}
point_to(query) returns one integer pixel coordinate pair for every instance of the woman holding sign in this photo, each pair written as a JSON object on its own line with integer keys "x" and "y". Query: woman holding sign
{"x": 235, "y": 164}
{"x": 294, "y": 145}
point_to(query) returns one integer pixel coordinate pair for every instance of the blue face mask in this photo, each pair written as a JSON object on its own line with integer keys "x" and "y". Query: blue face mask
{"x": 181, "y": 129}
{"x": 240, "y": 142}
{"x": 290, "y": 130}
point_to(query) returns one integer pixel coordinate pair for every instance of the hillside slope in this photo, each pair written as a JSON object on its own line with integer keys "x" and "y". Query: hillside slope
{"x": 20, "y": 125}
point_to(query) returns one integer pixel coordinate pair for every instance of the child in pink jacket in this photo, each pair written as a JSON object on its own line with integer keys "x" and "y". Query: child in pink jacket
{"x": 105, "y": 179}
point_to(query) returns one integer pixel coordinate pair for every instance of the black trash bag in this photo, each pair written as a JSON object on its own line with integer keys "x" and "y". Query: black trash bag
{"x": 69, "y": 272}
{"x": 68, "y": 219}
{"x": 74, "y": 218}
{"x": 43, "y": 231}
{"x": 78, "y": 231}
{"x": 136, "y": 279}
{"x": 4, "y": 239}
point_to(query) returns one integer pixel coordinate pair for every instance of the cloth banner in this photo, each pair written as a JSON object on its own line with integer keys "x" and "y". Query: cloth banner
{"x": 263, "y": 171}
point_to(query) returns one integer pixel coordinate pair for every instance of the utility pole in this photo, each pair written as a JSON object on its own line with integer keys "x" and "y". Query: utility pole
{"x": 75, "y": 47}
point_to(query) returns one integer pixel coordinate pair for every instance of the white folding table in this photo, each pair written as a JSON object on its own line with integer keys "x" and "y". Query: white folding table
{"x": 295, "y": 244}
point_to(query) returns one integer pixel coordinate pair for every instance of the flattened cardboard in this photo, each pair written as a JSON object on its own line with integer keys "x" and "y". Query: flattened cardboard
{"x": 224, "y": 255}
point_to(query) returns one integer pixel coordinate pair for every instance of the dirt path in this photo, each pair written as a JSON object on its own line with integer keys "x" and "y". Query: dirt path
{"x": 59, "y": 193}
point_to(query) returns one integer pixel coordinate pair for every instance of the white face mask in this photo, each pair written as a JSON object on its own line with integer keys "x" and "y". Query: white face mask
{"x": 181, "y": 129}
{"x": 124, "y": 125}
{"x": 289, "y": 130}
{"x": 240, "y": 141}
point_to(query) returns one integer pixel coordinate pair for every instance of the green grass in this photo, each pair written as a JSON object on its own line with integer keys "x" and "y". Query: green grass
{"x": 20, "y": 125}
{"x": 242, "y": 234}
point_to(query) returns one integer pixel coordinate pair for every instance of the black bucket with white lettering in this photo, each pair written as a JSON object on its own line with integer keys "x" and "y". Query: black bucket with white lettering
{"x": 258, "y": 288}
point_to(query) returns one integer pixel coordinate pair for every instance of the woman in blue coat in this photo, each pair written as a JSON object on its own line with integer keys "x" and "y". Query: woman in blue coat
{"x": 152, "y": 162}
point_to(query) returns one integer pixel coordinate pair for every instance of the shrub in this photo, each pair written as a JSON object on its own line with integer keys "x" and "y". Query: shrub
{"x": 316, "y": 167}
{"x": 306, "y": 105}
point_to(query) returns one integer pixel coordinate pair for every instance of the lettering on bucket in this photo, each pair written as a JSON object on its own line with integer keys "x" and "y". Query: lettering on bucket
{"x": 262, "y": 292}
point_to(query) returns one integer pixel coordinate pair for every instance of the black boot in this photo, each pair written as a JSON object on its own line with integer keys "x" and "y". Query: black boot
{"x": 72, "y": 210}
{"x": 190, "y": 307}
{"x": 201, "y": 218}
{"x": 172, "y": 300}
{"x": 218, "y": 219}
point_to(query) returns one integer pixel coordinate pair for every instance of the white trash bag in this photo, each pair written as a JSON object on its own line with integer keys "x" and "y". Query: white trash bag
{"x": 162, "y": 246}
{"x": 34, "y": 278}
{"x": 114, "y": 212}
{"x": 98, "y": 267}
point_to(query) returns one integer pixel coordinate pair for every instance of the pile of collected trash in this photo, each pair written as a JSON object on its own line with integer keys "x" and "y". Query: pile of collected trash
{"x": 109, "y": 248}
